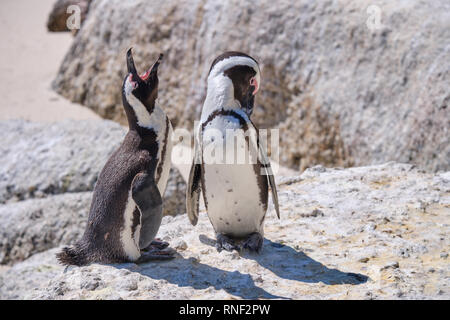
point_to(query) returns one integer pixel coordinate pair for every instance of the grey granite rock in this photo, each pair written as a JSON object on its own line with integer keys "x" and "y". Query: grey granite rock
{"x": 47, "y": 176}
{"x": 174, "y": 200}
{"x": 42, "y": 159}
{"x": 305, "y": 256}
{"x": 37, "y": 225}
{"x": 343, "y": 89}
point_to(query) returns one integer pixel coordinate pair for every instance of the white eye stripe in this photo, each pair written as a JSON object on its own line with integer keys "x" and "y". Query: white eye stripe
{"x": 142, "y": 115}
{"x": 230, "y": 62}
{"x": 220, "y": 87}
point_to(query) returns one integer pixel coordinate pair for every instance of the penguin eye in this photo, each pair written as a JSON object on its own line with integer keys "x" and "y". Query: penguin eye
{"x": 134, "y": 84}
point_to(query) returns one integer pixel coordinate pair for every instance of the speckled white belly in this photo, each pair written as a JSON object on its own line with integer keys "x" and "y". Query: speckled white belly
{"x": 232, "y": 194}
{"x": 231, "y": 189}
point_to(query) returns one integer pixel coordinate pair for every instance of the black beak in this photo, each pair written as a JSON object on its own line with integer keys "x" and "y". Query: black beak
{"x": 154, "y": 68}
{"x": 130, "y": 64}
{"x": 151, "y": 74}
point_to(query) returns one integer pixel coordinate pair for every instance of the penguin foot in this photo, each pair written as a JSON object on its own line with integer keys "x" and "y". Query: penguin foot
{"x": 156, "y": 254}
{"x": 254, "y": 242}
{"x": 225, "y": 242}
{"x": 156, "y": 244}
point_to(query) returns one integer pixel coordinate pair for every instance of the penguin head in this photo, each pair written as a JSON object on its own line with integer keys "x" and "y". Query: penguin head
{"x": 244, "y": 74}
{"x": 140, "y": 91}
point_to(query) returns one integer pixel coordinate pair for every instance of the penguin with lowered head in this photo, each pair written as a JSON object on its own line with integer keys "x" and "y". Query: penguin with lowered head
{"x": 235, "y": 193}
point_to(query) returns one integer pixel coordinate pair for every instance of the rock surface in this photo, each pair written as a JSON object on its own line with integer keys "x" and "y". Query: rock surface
{"x": 343, "y": 88}
{"x": 47, "y": 176}
{"x": 42, "y": 159}
{"x": 36, "y": 225}
{"x": 57, "y": 20}
{"x": 174, "y": 200}
{"x": 360, "y": 233}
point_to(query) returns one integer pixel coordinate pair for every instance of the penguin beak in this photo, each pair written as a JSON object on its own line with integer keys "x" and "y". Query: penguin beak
{"x": 131, "y": 66}
{"x": 147, "y": 77}
{"x": 153, "y": 71}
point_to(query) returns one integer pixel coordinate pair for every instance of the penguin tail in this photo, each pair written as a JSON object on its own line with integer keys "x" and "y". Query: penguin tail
{"x": 72, "y": 256}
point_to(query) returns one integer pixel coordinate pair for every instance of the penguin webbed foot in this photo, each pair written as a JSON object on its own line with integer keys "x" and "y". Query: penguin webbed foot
{"x": 225, "y": 242}
{"x": 156, "y": 254}
{"x": 157, "y": 244}
{"x": 254, "y": 242}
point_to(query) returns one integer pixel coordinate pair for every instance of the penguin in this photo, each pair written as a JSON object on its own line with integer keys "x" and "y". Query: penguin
{"x": 126, "y": 207}
{"x": 235, "y": 194}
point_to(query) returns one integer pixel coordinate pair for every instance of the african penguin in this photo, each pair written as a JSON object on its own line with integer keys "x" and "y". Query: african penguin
{"x": 126, "y": 208}
{"x": 235, "y": 193}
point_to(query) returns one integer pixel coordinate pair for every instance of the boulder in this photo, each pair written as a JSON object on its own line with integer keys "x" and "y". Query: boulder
{"x": 47, "y": 177}
{"x": 42, "y": 159}
{"x": 377, "y": 232}
{"x": 174, "y": 200}
{"x": 36, "y": 225}
{"x": 346, "y": 82}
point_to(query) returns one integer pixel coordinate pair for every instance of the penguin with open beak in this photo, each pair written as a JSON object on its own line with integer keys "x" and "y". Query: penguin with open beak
{"x": 126, "y": 209}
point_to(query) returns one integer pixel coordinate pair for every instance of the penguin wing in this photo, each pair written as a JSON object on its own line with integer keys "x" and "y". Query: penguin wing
{"x": 145, "y": 194}
{"x": 194, "y": 187}
{"x": 265, "y": 163}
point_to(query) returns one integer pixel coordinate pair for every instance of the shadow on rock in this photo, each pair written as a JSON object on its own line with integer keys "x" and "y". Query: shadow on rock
{"x": 290, "y": 264}
{"x": 191, "y": 273}
{"x": 287, "y": 263}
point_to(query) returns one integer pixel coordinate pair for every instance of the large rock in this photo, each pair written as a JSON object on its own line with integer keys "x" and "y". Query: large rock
{"x": 36, "y": 225}
{"x": 42, "y": 159}
{"x": 47, "y": 176}
{"x": 174, "y": 200}
{"x": 341, "y": 93}
{"x": 361, "y": 233}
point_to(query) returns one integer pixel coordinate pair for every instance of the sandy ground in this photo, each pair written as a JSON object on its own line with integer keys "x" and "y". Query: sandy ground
{"x": 30, "y": 58}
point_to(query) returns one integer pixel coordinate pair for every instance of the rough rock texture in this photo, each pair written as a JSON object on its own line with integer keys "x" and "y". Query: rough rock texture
{"x": 48, "y": 172}
{"x": 341, "y": 93}
{"x": 174, "y": 200}
{"x": 57, "y": 20}
{"x": 360, "y": 233}
{"x": 42, "y": 159}
{"x": 37, "y": 225}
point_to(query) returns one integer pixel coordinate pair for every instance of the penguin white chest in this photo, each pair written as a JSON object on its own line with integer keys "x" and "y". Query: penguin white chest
{"x": 231, "y": 189}
{"x": 130, "y": 239}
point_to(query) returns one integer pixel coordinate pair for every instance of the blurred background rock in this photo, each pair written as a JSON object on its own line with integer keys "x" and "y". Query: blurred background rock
{"x": 57, "y": 20}
{"x": 342, "y": 93}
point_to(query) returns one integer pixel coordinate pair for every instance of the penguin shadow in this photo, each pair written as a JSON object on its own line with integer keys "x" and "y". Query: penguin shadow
{"x": 191, "y": 273}
{"x": 290, "y": 264}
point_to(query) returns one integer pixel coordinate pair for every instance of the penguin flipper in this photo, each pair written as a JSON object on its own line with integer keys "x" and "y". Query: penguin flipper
{"x": 193, "y": 193}
{"x": 145, "y": 194}
{"x": 194, "y": 186}
{"x": 265, "y": 163}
